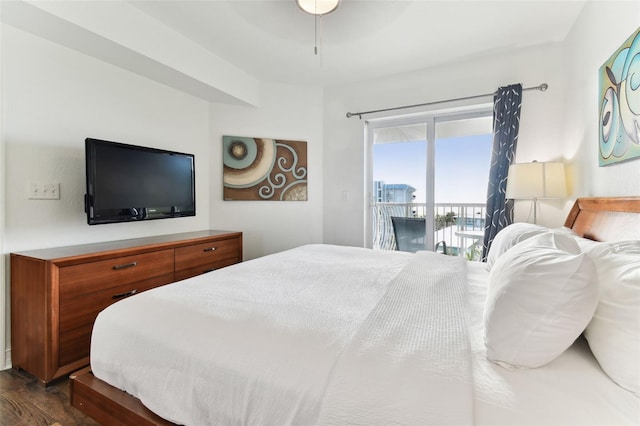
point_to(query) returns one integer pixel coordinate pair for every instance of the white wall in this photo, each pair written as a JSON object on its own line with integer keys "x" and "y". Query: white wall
{"x": 599, "y": 32}
{"x": 558, "y": 125}
{"x": 285, "y": 112}
{"x": 53, "y": 99}
{"x": 121, "y": 34}
{"x": 540, "y": 134}
{"x": 3, "y": 288}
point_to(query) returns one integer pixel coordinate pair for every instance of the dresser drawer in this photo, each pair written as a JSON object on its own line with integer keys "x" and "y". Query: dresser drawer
{"x": 79, "y": 280}
{"x": 78, "y": 314}
{"x": 201, "y": 269}
{"x": 75, "y": 345}
{"x": 78, "y": 311}
{"x": 212, "y": 253}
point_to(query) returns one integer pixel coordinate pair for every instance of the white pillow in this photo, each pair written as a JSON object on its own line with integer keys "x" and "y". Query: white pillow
{"x": 512, "y": 234}
{"x": 509, "y": 236}
{"x": 586, "y": 245}
{"x": 614, "y": 332}
{"x": 541, "y": 295}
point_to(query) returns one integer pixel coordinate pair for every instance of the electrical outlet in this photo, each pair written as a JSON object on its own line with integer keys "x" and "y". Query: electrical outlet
{"x": 44, "y": 191}
{"x": 52, "y": 191}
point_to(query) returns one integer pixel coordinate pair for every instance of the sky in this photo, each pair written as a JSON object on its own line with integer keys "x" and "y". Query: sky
{"x": 461, "y": 174}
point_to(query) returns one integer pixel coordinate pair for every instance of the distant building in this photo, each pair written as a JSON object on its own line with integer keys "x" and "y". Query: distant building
{"x": 393, "y": 192}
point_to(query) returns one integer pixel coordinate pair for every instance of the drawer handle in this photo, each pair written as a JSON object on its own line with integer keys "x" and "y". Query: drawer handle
{"x": 209, "y": 249}
{"x": 125, "y": 294}
{"x": 125, "y": 266}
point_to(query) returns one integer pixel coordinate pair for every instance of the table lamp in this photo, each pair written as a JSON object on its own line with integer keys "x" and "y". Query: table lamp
{"x": 533, "y": 181}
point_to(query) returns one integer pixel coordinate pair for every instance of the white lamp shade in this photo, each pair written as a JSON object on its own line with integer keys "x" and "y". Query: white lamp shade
{"x": 536, "y": 180}
{"x": 318, "y": 7}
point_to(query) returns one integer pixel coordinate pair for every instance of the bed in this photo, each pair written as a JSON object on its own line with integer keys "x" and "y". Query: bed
{"x": 341, "y": 335}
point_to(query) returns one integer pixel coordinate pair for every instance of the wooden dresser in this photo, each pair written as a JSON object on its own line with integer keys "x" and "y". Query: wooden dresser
{"x": 57, "y": 293}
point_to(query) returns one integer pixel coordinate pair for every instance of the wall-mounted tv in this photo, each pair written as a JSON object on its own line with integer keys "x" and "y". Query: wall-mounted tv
{"x": 127, "y": 183}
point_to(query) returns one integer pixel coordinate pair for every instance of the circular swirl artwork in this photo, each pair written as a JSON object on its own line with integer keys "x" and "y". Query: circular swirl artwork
{"x": 264, "y": 169}
{"x": 619, "y": 120}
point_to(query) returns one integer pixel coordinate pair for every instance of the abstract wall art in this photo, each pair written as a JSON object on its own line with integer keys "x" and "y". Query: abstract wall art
{"x": 264, "y": 169}
{"x": 619, "y": 127}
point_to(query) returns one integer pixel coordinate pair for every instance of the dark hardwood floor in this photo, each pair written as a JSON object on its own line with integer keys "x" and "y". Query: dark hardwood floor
{"x": 23, "y": 401}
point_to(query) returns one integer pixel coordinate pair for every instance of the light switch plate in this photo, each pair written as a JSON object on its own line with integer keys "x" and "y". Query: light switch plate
{"x": 44, "y": 191}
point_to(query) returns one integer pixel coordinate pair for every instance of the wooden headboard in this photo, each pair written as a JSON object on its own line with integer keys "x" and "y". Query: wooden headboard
{"x": 606, "y": 218}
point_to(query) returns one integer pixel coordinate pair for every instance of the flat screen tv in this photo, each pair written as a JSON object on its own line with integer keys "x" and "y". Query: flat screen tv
{"x": 127, "y": 183}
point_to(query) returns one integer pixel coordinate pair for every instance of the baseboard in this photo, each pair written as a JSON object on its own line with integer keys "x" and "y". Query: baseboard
{"x": 7, "y": 360}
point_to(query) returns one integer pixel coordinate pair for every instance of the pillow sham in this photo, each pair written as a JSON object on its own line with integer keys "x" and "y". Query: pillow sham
{"x": 509, "y": 236}
{"x": 515, "y": 233}
{"x": 614, "y": 331}
{"x": 542, "y": 293}
{"x": 586, "y": 245}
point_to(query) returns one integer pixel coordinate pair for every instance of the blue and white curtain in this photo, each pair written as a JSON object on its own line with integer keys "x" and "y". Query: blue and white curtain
{"x": 506, "y": 122}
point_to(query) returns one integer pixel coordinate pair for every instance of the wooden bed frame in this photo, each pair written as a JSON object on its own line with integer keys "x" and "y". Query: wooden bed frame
{"x": 599, "y": 219}
{"x": 606, "y": 219}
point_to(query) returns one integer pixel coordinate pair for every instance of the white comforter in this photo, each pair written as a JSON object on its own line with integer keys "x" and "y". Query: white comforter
{"x": 314, "y": 335}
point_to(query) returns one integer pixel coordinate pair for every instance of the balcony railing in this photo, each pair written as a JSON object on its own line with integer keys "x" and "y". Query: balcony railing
{"x": 460, "y": 226}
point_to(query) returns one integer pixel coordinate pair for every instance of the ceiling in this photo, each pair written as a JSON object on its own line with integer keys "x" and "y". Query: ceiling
{"x": 273, "y": 40}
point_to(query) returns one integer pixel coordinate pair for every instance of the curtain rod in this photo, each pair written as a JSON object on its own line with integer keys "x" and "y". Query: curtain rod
{"x": 542, "y": 88}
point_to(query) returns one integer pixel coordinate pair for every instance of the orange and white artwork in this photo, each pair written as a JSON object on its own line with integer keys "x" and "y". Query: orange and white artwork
{"x": 264, "y": 169}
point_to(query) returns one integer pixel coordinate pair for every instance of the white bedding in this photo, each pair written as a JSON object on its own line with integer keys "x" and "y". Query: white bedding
{"x": 570, "y": 390}
{"x": 288, "y": 345}
{"x": 249, "y": 344}
{"x": 409, "y": 363}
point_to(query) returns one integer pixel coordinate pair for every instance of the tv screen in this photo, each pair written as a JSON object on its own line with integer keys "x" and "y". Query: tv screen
{"x": 131, "y": 183}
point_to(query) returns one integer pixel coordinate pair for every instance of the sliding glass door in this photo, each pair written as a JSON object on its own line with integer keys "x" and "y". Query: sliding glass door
{"x": 399, "y": 167}
{"x": 427, "y": 181}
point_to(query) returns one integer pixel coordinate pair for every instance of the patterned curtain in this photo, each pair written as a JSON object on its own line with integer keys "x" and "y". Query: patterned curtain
{"x": 506, "y": 121}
